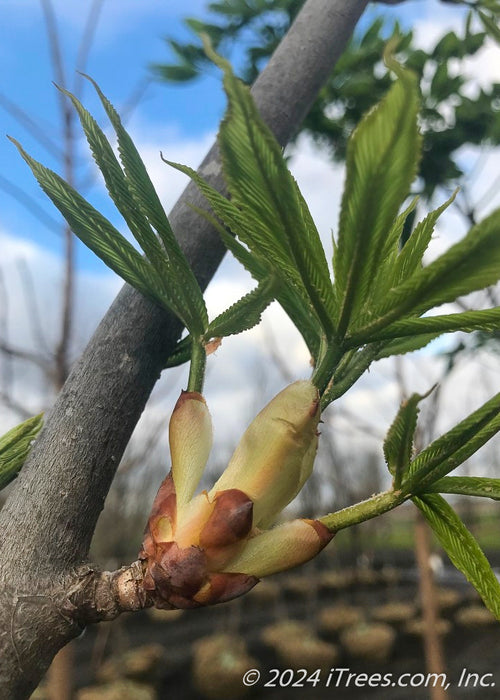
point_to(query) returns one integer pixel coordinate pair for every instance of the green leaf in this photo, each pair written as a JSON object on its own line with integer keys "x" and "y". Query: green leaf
{"x": 465, "y": 321}
{"x": 176, "y": 74}
{"x": 244, "y": 314}
{"x": 15, "y": 446}
{"x": 410, "y": 258}
{"x": 96, "y": 231}
{"x": 118, "y": 186}
{"x": 348, "y": 374}
{"x": 400, "y": 346}
{"x": 490, "y": 25}
{"x": 440, "y": 82}
{"x": 462, "y": 548}
{"x": 449, "y": 46}
{"x": 471, "y": 264}
{"x": 454, "y": 447}
{"x": 181, "y": 353}
{"x": 385, "y": 278}
{"x": 261, "y": 266}
{"x": 224, "y": 209}
{"x": 480, "y": 486}
{"x": 398, "y": 444}
{"x": 182, "y": 282}
{"x": 276, "y": 215}
{"x": 381, "y": 163}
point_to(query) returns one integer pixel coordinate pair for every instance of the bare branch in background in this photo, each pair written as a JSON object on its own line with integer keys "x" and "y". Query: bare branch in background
{"x": 30, "y": 204}
{"x": 86, "y": 42}
{"x": 32, "y": 126}
{"x": 275, "y": 354}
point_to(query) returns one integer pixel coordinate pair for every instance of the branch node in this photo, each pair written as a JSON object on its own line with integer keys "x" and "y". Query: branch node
{"x": 97, "y": 596}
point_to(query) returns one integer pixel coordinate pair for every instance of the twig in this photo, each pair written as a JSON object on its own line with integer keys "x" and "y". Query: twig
{"x": 86, "y": 42}
{"x": 33, "y": 127}
{"x": 30, "y": 299}
{"x": 15, "y": 406}
{"x": 30, "y": 204}
{"x": 17, "y": 353}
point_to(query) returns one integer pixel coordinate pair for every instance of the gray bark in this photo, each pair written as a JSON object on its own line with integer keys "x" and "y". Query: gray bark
{"x": 49, "y": 519}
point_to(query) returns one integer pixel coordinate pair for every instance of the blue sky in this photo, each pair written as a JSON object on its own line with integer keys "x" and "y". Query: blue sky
{"x": 128, "y": 40}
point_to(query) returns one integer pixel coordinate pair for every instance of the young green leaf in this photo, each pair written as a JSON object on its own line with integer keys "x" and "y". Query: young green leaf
{"x": 240, "y": 316}
{"x": 454, "y": 447}
{"x": 381, "y": 163}
{"x": 410, "y": 257}
{"x": 490, "y": 25}
{"x": 232, "y": 218}
{"x": 259, "y": 262}
{"x": 480, "y": 486}
{"x": 167, "y": 277}
{"x": 383, "y": 280}
{"x": 261, "y": 185}
{"x": 347, "y": 375}
{"x": 462, "y": 548}
{"x": 243, "y": 314}
{"x": 413, "y": 328}
{"x": 181, "y": 277}
{"x": 400, "y": 346}
{"x": 181, "y": 353}
{"x": 471, "y": 264}
{"x": 118, "y": 186}
{"x": 15, "y": 446}
{"x": 398, "y": 444}
{"x": 96, "y": 231}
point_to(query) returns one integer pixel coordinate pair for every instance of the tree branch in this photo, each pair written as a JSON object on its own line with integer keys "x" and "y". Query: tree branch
{"x": 48, "y": 520}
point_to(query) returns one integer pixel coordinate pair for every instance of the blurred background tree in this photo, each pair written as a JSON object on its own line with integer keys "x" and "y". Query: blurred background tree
{"x": 454, "y": 112}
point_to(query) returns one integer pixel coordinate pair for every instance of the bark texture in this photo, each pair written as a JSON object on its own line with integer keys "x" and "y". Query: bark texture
{"x": 48, "y": 521}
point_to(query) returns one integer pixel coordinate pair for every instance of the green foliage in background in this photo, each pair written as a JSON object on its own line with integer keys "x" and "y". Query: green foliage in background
{"x": 453, "y": 113}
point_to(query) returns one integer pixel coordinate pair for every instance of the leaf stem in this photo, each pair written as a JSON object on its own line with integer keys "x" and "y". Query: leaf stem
{"x": 329, "y": 358}
{"x": 352, "y": 371}
{"x": 364, "y": 510}
{"x": 197, "y": 367}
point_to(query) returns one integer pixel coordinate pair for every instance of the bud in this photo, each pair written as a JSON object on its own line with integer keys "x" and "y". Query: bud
{"x": 276, "y": 454}
{"x": 209, "y": 548}
{"x": 190, "y": 438}
{"x": 281, "y": 548}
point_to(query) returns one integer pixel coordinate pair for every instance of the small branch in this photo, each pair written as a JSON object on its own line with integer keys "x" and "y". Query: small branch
{"x": 364, "y": 510}
{"x": 30, "y": 204}
{"x": 30, "y": 299}
{"x": 25, "y": 355}
{"x": 38, "y": 131}
{"x": 54, "y": 43}
{"x": 433, "y": 647}
{"x": 7, "y": 401}
{"x": 50, "y": 515}
{"x": 67, "y": 118}
{"x": 86, "y": 42}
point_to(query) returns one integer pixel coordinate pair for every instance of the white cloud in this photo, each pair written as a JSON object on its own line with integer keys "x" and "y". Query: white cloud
{"x": 431, "y": 25}
{"x": 484, "y": 67}
{"x": 169, "y": 182}
{"x": 41, "y": 299}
